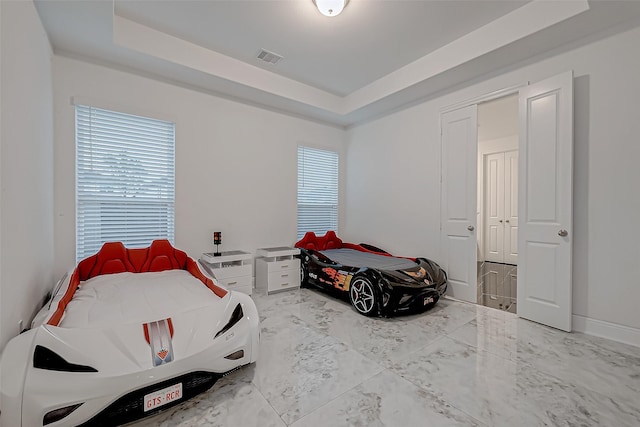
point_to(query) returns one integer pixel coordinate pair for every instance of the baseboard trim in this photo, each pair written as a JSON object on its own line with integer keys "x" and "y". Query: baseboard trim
{"x": 612, "y": 331}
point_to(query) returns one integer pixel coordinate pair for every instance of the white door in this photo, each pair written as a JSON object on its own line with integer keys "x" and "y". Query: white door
{"x": 458, "y": 201}
{"x": 511, "y": 207}
{"x": 494, "y": 207}
{"x": 545, "y": 199}
{"x": 501, "y": 207}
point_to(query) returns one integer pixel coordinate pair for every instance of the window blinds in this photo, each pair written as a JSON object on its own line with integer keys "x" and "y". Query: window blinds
{"x": 125, "y": 179}
{"x": 317, "y": 190}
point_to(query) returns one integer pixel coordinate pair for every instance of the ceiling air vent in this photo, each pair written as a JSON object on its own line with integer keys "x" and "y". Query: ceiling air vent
{"x": 270, "y": 57}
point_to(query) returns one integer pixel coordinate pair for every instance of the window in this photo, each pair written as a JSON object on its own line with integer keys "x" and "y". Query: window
{"x": 125, "y": 179}
{"x": 317, "y": 190}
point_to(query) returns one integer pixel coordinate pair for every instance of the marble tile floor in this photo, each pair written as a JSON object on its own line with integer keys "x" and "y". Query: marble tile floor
{"x": 497, "y": 285}
{"x": 322, "y": 364}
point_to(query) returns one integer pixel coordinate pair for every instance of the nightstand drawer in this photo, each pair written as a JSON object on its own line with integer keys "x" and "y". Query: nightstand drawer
{"x": 283, "y": 280}
{"x": 233, "y": 271}
{"x": 284, "y": 265}
{"x": 242, "y": 284}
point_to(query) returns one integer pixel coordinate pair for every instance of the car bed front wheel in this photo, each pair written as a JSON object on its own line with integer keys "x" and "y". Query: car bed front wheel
{"x": 363, "y": 296}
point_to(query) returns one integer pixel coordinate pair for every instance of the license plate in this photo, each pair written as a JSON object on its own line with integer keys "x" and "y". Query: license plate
{"x": 162, "y": 397}
{"x": 427, "y": 300}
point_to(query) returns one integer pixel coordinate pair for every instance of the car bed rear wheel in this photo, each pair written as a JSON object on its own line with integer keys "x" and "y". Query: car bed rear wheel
{"x": 363, "y": 296}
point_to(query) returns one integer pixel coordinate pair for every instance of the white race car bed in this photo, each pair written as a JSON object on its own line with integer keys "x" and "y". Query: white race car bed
{"x": 130, "y": 332}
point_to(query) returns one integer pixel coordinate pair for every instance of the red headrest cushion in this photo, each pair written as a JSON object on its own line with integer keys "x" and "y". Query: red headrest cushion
{"x": 162, "y": 256}
{"x": 332, "y": 241}
{"x": 313, "y": 242}
{"x": 112, "y": 258}
{"x": 308, "y": 241}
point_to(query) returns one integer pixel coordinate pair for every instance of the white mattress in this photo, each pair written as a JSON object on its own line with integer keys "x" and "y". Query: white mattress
{"x": 124, "y": 298}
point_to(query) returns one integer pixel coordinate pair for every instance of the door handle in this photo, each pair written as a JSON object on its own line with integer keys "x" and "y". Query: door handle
{"x": 470, "y": 228}
{"x": 563, "y": 233}
{"x": 500, "y": 221}
{"x": 507, "y": 221}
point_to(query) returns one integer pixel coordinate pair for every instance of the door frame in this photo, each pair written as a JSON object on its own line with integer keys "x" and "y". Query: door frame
{"x": 522, "y": 179}
{"x": 465, "y": 104}
{"x": 500, "y": 93}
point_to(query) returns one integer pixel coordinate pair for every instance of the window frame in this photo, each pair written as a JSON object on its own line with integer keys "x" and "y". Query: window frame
{"x": 331, "y": 201}
{"x": 146, "y": 160}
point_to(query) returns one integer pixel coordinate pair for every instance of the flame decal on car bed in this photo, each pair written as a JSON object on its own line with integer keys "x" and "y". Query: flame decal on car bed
{"x": 340, "y": 279}
{"x": 158, "y": 335}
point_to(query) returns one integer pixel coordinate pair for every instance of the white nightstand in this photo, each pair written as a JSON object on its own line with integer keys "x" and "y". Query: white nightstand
{"x": 277, "y": 269}
{"x": 234, "y": 269}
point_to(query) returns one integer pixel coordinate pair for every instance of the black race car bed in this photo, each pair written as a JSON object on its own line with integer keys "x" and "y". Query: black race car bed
{"x": 375, "y": 282}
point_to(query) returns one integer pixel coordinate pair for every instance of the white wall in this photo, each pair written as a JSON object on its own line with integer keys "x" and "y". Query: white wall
{"x": 498, "y": 118}
{"x": 236, "y": 165}
{"x": 394, "y": 168}
{"x": 26, "y": 225}
{"x": 392, "y": 189}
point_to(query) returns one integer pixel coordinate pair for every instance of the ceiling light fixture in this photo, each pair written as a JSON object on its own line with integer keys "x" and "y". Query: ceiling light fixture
{"x": 330, "y": 7}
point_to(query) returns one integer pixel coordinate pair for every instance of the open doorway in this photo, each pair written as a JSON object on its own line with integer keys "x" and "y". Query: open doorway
{"x": 544, "y": 202}
{"x": 497, "y": 203}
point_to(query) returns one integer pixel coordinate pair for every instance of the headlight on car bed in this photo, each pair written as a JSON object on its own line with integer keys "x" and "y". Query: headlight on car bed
{"x": 43, "y": 358}
{"x": 235, "y": 318}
